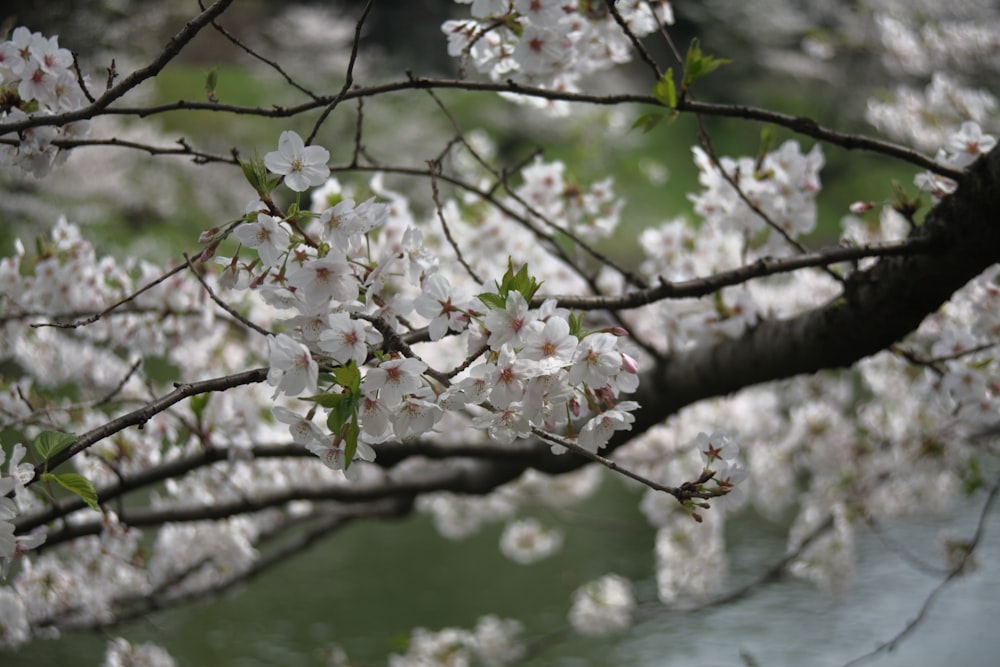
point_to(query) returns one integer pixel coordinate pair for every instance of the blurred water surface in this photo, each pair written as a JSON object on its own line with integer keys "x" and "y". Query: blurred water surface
{"x": 366, "y": 587}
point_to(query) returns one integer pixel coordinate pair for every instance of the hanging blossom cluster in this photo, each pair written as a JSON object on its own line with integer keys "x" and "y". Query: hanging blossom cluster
{"x": 494, "y": 641}
{"x": 926, "y": 117}
{"x": 951, "y": 48}
{"x": 37, "y": 79}
{"x": 962, "y": 149}
{"x": 348, "y": 280}
{"x": 549, "y": 43}
{"x": 123, "y": 653}
{"x": 12, "y": 484}
{"x": 782, "y": 186}
{"x": 603, "y": 606}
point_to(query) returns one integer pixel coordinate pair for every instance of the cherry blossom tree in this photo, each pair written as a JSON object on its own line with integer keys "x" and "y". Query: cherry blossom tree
{"x": 470, "y": 348}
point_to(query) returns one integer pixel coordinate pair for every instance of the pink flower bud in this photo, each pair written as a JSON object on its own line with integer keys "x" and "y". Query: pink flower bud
{"x": 574, "y": 407}
{"x": 256, "y": 282}
{"x": 629, "y": 365}
{"x": 208, "y": 252}
{"x": 208, "y": 235}
{"x": 861, "y": 207}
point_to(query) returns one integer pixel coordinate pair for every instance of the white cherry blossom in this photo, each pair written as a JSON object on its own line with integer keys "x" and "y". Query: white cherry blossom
{"x": 268, "y": 236}
{"x": 549, "y": 343}
{"x": 346, "y": 339}
{"x": 596, "y": 432}
{"x": 302, "y": 166}
{"x": 393, "y": 379}
{"x": 292, "y": 367}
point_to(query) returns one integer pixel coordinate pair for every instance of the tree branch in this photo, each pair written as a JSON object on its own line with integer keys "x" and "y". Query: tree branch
{"x": 142, "y": 415}
{"x": 878, "y": 306}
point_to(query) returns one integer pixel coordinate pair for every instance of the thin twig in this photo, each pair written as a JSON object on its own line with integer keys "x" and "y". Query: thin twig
{"x": 270, "y": 63}
{"x": 954, "y": 573}
{"x": 683, "y": 493}
{"x": 348, "y": 75}
{"x": 644, "y": 55}
{"x": 94, "y": 318}
{"x": 435, "y": 195}
{"x": 225, "y": 306}
{"x": 798, "y": 124}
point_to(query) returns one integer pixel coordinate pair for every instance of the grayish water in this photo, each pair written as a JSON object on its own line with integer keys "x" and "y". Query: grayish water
{"x": 366, "y": 588}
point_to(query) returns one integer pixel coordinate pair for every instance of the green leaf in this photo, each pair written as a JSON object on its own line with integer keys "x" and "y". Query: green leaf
{"x": 649, "y": 121}
{"x": 494, "y": 301}
{"x": 256, "y": 174}
{"x": 348, "y": 376}
{"x": 77, "y": 484}
{"x": 520, "y": 281}
{"x": 767, "y": 139}
{"x": 351, "y": 442}
{"x": 48, "y": 443}
{"x": 665, "y": 89}
{"x": 697, "y": 65}
{"x": 345, "y": 410}
{"x": 211, "y": 81}
{"x": 198, "y": 404}
{"x": 328, "y": 400}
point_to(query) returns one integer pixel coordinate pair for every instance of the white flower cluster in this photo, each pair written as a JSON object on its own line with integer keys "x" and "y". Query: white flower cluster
{"x": 527, "y": 541}
{"x": 346, "y": 289}
{"x": 493, "y": 643}
{"x": 37, "y": 79}
{"x": 69, "y": 281}
{"x": 549, "y": 43}
{"x": 12, "y": 484}
{"x": 603, "y": 606}
{"x": 783, "y": 185}
{"x": 457, "y": 515}
{"x": 926, "y": 118}
{"x": 722, "y": 458}
{"x": 921, "y": 38}
{"x": 591, "y": 213}
{"x": 690, "y": 556}
{"x": 962, "y": 149}
{"x": 123, "y": 653}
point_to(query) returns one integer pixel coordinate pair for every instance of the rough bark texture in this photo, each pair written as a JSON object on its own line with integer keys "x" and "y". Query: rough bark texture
{"x": 878, "y": 307}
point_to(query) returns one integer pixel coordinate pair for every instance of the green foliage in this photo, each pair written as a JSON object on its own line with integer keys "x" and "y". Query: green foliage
{"x": 211, "y": 81}
{"x": 520, "y": 281}
{"x": 665, "y": 89}
{"x": 697, "y": 65}
{"x": 257, "y": 175}
{"x": 198, "y": 404}
{"x": 649, "y": 121}
{"x": 48, "y": 443}
{"x": 76, "y": 484}
{"x": 343, "y": 406}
